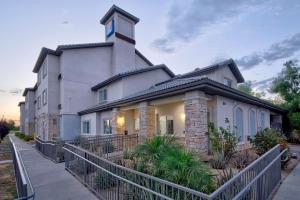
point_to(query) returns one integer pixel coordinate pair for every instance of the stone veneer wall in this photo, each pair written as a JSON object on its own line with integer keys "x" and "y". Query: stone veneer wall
{"x": 196, "y": 138}
{"x": 147, "y": 121}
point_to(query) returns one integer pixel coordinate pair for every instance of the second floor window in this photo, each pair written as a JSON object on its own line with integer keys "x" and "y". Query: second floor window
{"x": 44, "y": 71}
{"x": 86, "y": 127}
{"x": 39, "y": 77}
{"x": 45, "y": 97}
{"x": 227, "y": 82}
{"x": 102, "y": 96}
{"x": 39, "y": 102}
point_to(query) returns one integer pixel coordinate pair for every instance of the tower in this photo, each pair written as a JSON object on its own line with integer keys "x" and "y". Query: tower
{"x": 120, "y": 29}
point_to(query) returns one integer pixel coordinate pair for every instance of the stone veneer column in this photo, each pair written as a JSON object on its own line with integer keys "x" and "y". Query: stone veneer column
{"x": 147, "y": 121}
{"x": 195, "y": 106}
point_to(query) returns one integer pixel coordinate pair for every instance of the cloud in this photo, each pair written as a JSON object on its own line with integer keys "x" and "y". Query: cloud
{"x": 189, "y": 19}
{"x": 263, "y": 84}
{"x": 284, "y": 49}
{"x": 15, "y": 91}
{"x": 2, "y": 91}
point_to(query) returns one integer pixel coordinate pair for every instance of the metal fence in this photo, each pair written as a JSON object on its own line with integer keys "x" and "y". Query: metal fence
{"x": 257, "y": 181}
{"x": 24, "y": 188}
{"x": 108, "y": 146}
{"x": 51, "y": 149}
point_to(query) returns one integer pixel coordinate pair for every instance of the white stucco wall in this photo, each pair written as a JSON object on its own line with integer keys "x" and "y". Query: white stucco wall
{"x": 92, "y": 118}
{"x": 81, "y": 69}
{"x": 96, "y": 121}
{"x": 226, "y": 109}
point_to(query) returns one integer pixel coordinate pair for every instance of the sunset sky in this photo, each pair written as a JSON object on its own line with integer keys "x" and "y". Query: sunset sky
{"x": 259, "y": 35}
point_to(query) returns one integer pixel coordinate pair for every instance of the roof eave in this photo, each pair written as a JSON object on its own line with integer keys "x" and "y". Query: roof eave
{"x": 115, "y": 8}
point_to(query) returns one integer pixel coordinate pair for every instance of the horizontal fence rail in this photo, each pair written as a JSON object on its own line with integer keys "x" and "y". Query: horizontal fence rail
{"x": 51, "y": 149}
{"x": 108, "y": 146}
{"x": 23, "y": 183}
{"x": 166, "y": 188}
{"x": 256, "y": 181}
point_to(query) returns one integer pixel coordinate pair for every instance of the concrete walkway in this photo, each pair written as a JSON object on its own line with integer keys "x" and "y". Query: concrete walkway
{"x": 290, "y": 188}
{"x": 50, "y": 180}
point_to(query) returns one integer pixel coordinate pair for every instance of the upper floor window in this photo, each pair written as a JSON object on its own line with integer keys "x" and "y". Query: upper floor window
{"x": 44, "y": 71}
{"x": 39, "y": 77}
{"x": 227, "y": 82}
{"x": 102, "y": 95}
{"x": 86, "y": 127}
{"x": 39, "y": 102}
{"x": 107, "y": 128}
{"x": 45, "y": 97}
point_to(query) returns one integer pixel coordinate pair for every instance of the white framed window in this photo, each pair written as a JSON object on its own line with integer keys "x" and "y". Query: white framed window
{"x": 252, "y": 122}
{"x": 39, "y": 102}
{"x": 86, "y": 129}
{"x": 262, "y": 120}
{"x": 44, "y": 71}
{"x": 107, "y": 128}
{"x": 39, "y": 77}
{"x": 44, "y": 97}
{"x": 102, "y": 95}
{"x": 227, "y": 82}
{"x": 239, "y": 124}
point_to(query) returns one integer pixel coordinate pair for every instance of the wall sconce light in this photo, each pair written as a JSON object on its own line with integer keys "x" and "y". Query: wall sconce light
{"x": 120, "y": 121}
{"x": 182, "y": 116}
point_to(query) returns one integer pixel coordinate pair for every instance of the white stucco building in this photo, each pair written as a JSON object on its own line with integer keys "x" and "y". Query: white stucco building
{"x": 111, "y": 88}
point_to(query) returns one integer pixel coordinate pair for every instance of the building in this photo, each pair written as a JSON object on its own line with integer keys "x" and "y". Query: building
{"x": 111, "y": 88}
{"x": 22, "y": 115}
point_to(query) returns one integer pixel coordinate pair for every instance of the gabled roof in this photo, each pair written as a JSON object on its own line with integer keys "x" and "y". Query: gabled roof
{"x": 202, "y": 71}
{"x": 115, "y": 8}
{"x": 45, "y": 51}
{"x": 28, "y": 89}
{"x": 21, "y": 102}
{"x": 130, "y": 73}
{"x": 180, "y": 86}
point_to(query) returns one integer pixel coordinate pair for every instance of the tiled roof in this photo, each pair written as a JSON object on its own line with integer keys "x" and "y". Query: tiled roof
{"x": 179, "y": 86}
{"x": 130, "y": 73}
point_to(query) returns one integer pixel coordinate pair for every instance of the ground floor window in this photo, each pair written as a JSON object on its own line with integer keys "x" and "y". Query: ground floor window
{"x": 166, "y": 125}
{"x": 262, "y": 120}
{"x": 107, "y": 126}
{"x": 252, "y": 124}
{"x": 239, "y": 126}
{"x": 86, "y": 127}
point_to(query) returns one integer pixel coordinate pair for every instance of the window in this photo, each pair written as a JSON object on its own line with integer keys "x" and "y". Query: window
{"x": 262, "y": 120}
{"x": 39, "y": 102}
{"x": 227, "y": 82}
{"x": 86, "y": 127}
{"x": 107, "y": 126}
{"x": 239, "y": 124}
{"x": 166, "y": 125}
{"x": 44, "y": 71}
{"x": 252, "y": 126}
{"x": 102, "y": 95}
{"x": 44, "y": 97}
{"x": 39, "y": 77}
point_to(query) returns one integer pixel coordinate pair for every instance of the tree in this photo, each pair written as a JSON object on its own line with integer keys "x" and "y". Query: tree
{"x": 247, "y": 88}
{"x": 287, "y": 85}
{"x": 4, "y": 129}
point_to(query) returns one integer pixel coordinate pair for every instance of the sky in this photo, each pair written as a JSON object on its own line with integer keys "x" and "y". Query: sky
{"x": 259, "y": 35}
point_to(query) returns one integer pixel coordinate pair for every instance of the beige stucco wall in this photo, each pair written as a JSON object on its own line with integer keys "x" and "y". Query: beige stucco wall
{"x": 222, "y": 73}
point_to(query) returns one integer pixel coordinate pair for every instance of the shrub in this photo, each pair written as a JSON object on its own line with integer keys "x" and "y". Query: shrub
{"x": 23, "y": 136}
{"x": 108, "y": 147}
{"x": 294, "y": 119}
{"x": 104, "y": 180}
{"x": 163, "y": 157}
{"x": 4, "y": 129}
{"x": 266, "y": 139}
{"x": 218, "y": 161}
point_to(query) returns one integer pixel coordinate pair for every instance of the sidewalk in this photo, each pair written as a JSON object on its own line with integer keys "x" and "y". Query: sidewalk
{"x": 290, "y": 188}
{"x": 50, "y": 180}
